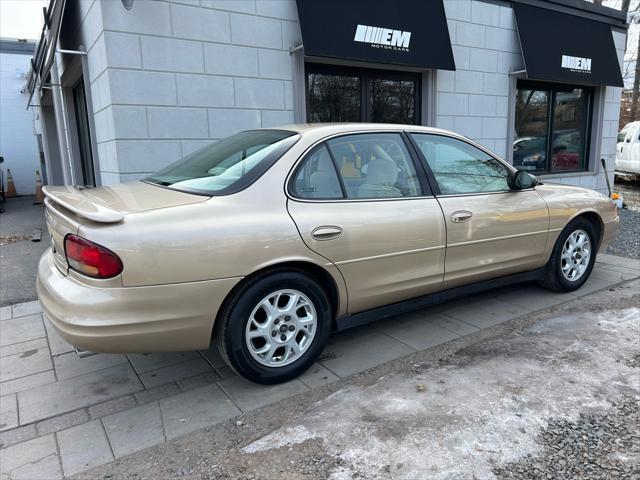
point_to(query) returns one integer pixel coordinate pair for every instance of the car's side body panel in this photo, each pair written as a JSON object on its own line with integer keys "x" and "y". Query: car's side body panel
{"x": 566, "y": 203}
{"x": 506, "y": 234}
{"x": 388, "y": 250}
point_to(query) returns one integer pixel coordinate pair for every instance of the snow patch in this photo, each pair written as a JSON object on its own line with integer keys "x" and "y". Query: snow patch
{"x": 280, "y": 438}
{"x": 484, "y": 409}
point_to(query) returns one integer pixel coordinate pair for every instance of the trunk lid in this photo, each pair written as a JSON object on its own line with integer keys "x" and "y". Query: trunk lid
{"x": 68, "y": 208}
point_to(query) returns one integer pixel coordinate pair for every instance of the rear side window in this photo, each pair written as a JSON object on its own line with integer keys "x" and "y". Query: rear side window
{"x": 375, "y": 166}
{"x": 317, "y": 177}
{"x": 362, "y": 166}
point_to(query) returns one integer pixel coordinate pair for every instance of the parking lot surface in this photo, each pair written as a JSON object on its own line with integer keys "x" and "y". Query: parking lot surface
{"x": 61, "y": 415}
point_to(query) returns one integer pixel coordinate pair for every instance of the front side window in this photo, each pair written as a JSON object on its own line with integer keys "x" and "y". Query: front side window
{"x": 551, "y": 128}
{"x": 460, "y": 168}
{"x": 228, "y": 165}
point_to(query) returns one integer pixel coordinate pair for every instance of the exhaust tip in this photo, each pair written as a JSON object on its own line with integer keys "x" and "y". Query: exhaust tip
{"x": 84, "y": 353}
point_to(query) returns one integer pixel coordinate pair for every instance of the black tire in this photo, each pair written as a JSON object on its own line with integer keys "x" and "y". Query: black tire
{"x": 554, "y": 279}
{"x": 229, "y": 331}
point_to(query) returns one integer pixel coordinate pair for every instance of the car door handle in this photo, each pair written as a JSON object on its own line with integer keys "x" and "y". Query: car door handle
{"x": 326, "y": 232}
{"x": 461, "y": 216}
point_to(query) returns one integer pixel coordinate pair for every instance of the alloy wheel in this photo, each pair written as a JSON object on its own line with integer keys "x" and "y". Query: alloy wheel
{"x": 576, "y": 254}
{"x": 281, "y": 328}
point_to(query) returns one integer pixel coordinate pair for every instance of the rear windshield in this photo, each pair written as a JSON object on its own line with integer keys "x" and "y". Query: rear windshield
{"x": 228, "y": 165}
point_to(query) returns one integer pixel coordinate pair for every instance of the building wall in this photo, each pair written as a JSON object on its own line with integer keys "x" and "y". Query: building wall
{"x": 18, "y": 145}
{"x": 167, "y": 77}
{"x": 474, "y": 100}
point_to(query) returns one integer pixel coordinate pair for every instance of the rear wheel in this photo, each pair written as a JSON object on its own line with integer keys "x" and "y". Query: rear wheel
{"x": 274, "y": 328}
{"x": 573, "y": 257}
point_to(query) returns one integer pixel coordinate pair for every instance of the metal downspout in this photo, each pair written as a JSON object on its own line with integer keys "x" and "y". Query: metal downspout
{"x": 61, "y": 126}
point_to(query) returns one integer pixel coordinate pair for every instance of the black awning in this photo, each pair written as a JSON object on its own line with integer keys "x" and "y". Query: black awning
{"x": 565, "y": 48}
{"x": 411, "y": 33}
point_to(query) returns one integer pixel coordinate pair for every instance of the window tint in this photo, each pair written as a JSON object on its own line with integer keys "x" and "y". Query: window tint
{"x": 460, "y": 167}
{"x": 333, "y": 98}
{"x": 568, "y": 146}
{"x": 375, "y": 165}
{"x": 551, "y": 127}
{"x": 343, "y": 94}
{"x": 531, "y": 129}
{"x": 392, "y": 101}
{"x": 317, "y": 177}
{"x": 228, "y": 165}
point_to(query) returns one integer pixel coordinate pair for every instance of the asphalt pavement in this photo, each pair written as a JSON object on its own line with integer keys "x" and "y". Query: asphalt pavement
{"x": 18, "y": 254}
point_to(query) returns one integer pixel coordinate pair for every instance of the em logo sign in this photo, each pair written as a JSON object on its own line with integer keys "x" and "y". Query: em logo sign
{"x": 578, "y": 64}
{"x": 380, "y": 37}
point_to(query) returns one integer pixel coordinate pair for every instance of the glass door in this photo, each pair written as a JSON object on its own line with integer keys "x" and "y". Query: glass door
{"x": 340, "y": 94}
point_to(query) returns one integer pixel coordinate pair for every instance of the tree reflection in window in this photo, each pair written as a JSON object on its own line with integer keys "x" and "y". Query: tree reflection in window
{"x": 393, "y": 101}
{"x": 461, "y": 168}
{"x": 333, "y": 98}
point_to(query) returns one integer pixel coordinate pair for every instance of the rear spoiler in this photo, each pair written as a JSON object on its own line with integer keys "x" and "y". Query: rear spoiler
{"x": 74, "y": 200}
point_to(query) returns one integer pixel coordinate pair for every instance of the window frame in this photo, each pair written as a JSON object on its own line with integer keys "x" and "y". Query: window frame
{"x": 586, "y": 128}
{"x": 435, "y": 188}
{"x": 365, "y": 76}
{"x": 422, "y": 174}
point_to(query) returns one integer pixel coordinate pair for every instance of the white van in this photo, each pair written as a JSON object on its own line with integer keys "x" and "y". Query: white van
{"x": 628, "y": 150}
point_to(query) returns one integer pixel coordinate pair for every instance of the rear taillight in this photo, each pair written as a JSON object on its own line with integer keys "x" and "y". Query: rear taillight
{"x": 90, "y": 258}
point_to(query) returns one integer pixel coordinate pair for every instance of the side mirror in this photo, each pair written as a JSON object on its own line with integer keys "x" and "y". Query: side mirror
{"x": 522, "y": 180}
{"x": 1, "y": 159}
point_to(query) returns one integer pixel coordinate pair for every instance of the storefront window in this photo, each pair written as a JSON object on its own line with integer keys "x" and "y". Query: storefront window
{"x": 551, "y": 128}
{"x": 333, "y": 98}
{"x": 393, "y": 101}
{"x": 342, "y": 94}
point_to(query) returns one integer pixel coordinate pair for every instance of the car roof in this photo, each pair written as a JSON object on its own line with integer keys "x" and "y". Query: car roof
{"x": 331, "y": 128}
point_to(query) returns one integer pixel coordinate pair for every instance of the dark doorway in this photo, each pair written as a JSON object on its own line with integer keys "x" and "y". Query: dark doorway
{"x": 341, "y": 94}
{"x": 84, "y": 135}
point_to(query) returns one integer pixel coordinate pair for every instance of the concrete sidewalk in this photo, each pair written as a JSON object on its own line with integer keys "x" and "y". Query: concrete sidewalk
{"x": 60, "y": 415}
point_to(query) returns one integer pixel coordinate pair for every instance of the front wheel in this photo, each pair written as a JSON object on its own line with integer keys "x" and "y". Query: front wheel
{"x": 274, "y": 328}
{"x": 573, "y": 257}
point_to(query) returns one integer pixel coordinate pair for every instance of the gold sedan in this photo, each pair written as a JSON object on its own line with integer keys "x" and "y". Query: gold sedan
{"x": 268, "y": 240}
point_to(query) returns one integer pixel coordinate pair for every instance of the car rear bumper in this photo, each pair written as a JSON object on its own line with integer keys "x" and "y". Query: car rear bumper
{"x": 157, "y": 318}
